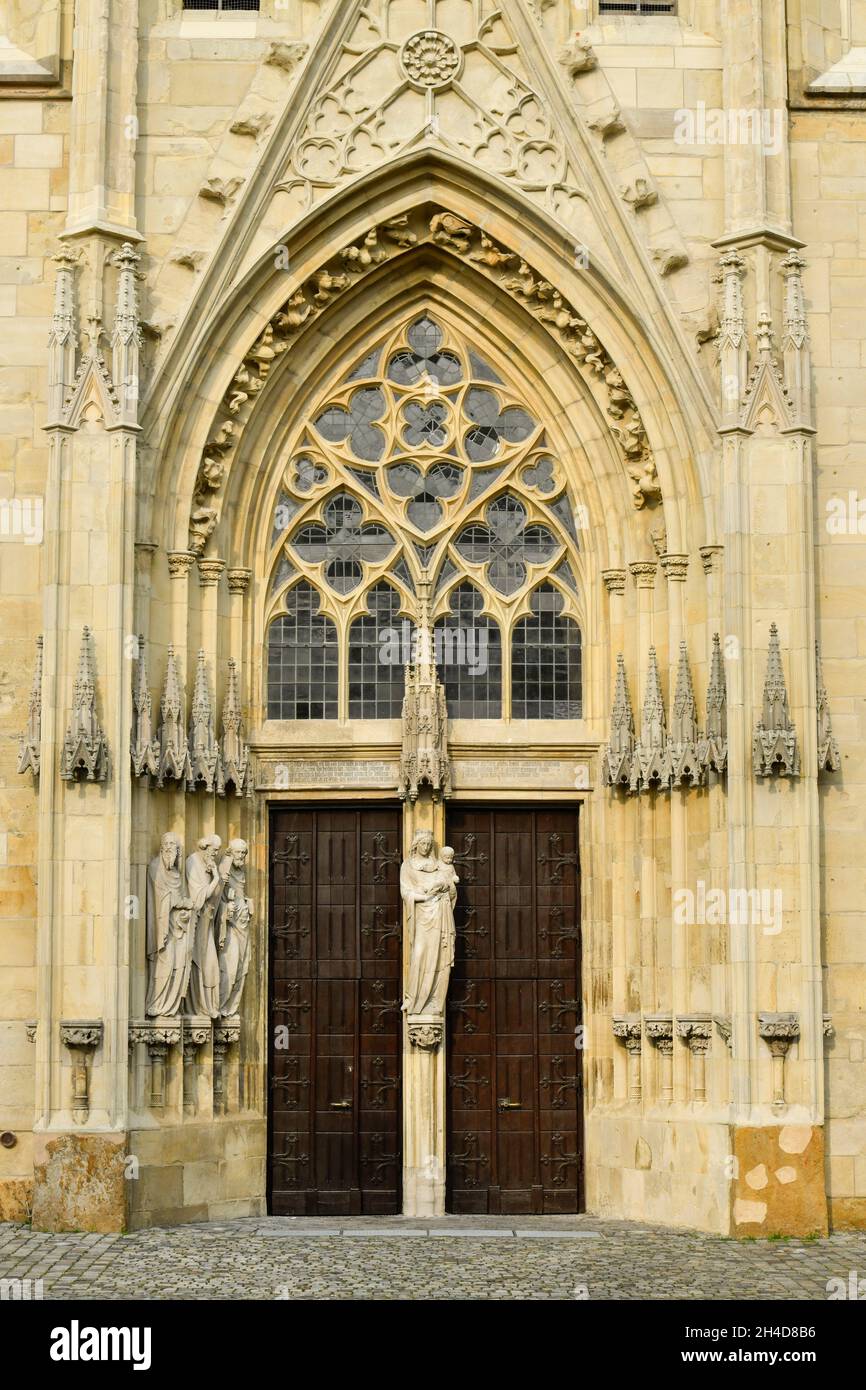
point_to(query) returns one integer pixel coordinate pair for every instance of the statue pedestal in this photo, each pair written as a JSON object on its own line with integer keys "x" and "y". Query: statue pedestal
{"x": 423, "y": 1125}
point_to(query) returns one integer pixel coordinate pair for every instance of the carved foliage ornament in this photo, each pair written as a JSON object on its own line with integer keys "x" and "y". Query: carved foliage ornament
{"x": 491, "y": 258}
{"x": 30, "y": 742}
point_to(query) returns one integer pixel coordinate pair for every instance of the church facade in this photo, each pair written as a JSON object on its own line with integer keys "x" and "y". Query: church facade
{"x": 432, "y": 585}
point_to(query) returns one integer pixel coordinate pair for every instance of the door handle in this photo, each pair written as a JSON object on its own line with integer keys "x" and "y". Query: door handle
{"x": 505, "y": 1104}
{"x": 341, "y": 1105}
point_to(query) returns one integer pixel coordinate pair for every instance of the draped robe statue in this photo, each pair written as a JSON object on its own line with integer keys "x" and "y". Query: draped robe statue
{"x": 428, "y": 885}
{"x": 169, "y": 935}
{"x": 233, "y": 928}
{"x": 206, "y": 882}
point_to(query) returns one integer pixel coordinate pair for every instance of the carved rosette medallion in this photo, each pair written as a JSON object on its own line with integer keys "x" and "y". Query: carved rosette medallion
{"x": 431, "y": 59}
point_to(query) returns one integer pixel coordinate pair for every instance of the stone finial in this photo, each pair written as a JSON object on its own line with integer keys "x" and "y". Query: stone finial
{"x": 649, "y": 766}
{"x": 732, "y": 343}
{"x": 234, "y": 764}
{"x": 796, "y": 359}
{"x": 774, "y": 747}
{"x": 62, "y": 339}
{"x": 173, "y": 763}
{"x": 713, "y": 747}
{"x": 828, "y": 749}
{"x": 204, "y": 758}
{"x": 683, "y": 761}
{"x": 85, "y": 747}
{"x": 30, "y": 742}
{"x": 424, "y": 755}
{"x": 618, "y": 757}
{"x": 126, "y": 337}
{"x": 145, "y": 745}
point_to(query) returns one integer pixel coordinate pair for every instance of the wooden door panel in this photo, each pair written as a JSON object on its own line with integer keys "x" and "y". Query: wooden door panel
{"x": 513, "y": 1082}
{"x": 336, "y": 1027}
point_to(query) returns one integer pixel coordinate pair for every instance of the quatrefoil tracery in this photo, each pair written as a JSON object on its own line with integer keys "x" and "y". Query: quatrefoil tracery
{"x": 414, "y": 464}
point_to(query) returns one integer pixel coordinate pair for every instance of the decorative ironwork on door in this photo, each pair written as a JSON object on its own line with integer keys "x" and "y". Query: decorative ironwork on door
{"x": 335, "y": 1022}
{"x": 513, "y": 1096}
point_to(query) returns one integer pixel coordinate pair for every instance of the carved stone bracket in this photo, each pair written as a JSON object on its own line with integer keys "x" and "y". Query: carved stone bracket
{"x": 696, "y": 1032}
{"x": 723, "y": 1028}
{"x": 627, "y": 1029}
{"x": 659, "y": 1028}
{"x": 196, "y": 1032}
{"x": 159, "y": 1034}
{"x": 425, "y": 1031}
{"x": 226, "y": 1034}
{"x": 82, "y": 1037}
{"x": 774, "y": 748}
{"x": 778, "y": 1032}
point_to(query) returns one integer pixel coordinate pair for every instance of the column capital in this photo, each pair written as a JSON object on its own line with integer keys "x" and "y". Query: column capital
{"x": 209, "y": 571}
{"x": 180, "y": 563}
{"x": 614, "y": 581}
{"x": 643, "y": 572}
{"x": 238, "y": 580}
{"x": 675, "y": 567}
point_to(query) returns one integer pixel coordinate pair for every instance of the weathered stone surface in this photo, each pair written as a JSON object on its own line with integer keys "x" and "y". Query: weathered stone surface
{"x": 80, "y": 1183}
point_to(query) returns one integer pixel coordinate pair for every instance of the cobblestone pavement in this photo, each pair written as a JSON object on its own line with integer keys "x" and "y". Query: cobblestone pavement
{"x": 402, "y": 1258}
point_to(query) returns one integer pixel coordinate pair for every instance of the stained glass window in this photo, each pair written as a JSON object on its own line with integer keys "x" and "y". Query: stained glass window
{"x": 377, "y": 651}
{"x": 546, "y": 661}
{"x": 303, "y": 675}
{"x": 468, "y": 651}
{"x": 422, "y": 472}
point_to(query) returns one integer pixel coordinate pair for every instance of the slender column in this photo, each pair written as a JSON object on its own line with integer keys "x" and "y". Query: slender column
{"x": 675, "y": 569}
{"x": 424, "y": 1069}
{"x": 644, "y": 953}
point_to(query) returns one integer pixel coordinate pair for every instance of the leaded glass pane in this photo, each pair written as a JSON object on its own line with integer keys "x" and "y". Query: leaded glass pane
{"x": 468, "y": 651}
{"x": 376, "y": 668}
{"x": 302, "y": 660}
{"x": 343, "y": 543}
{"x": 546, "y": 661}
{"x": 506, "y": 544}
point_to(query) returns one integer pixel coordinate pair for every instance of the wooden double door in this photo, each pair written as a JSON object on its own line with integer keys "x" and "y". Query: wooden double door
{"x": 335, "y": 1028}
{"x": 514, "y": 1062}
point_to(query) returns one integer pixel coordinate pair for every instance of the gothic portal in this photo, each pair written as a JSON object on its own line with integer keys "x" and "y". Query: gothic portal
{"x": 424, "y": 792}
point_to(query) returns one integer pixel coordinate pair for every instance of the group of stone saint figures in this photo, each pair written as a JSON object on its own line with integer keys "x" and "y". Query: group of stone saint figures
{"x": 428, "y": 885}
{"x": 198, "y": 929}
